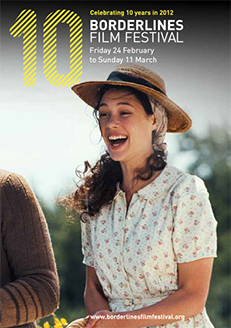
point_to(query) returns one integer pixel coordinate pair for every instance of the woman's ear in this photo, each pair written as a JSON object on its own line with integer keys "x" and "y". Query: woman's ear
{"x": 153, "y": 123}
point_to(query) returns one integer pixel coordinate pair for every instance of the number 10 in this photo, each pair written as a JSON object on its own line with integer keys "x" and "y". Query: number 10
{"x": 26, "y": 25}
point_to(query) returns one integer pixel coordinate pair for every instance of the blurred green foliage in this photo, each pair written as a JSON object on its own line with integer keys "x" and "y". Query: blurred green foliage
{"x": 66, "y": 241}
{"x": 212, "y": 162}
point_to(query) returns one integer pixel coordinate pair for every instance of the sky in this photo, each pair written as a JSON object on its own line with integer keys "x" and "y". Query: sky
{"x": 47, "y": 131}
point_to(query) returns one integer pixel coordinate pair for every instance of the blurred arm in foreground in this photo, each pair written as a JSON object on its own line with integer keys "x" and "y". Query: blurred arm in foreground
{"x": 29, "y": 281}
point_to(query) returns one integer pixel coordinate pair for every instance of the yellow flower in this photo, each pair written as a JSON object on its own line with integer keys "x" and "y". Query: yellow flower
{"x": 64, "y": 321}
{"x": 46, "y": 324}
{"x": 56, "y": 320}
{"x": 58, "y": 325}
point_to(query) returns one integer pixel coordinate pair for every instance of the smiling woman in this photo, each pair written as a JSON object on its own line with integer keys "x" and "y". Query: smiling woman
{"x": 148, "y": 230}
{"x": 125, "y": 126}
{"x": 135, "y": 111}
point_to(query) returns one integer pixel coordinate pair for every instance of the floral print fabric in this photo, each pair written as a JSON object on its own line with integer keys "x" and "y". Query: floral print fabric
{"x": 135, "y": 252}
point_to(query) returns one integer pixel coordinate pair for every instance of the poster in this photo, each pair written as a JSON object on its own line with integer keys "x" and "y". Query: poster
{"x": 46, "y": 130}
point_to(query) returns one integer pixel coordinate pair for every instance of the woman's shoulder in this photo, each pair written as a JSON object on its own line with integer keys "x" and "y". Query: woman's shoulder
{"x": 185, "y": 182}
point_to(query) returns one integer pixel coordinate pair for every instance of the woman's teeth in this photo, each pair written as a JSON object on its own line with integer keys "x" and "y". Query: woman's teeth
{"x": 117, "y": 140}
{"x": 117, "y": 137}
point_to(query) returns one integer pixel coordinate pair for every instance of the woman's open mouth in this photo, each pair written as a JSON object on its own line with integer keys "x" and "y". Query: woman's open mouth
{"x": 117, "y": 141}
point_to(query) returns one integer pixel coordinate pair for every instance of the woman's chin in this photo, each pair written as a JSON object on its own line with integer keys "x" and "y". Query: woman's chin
{"x": 116, "y": 157}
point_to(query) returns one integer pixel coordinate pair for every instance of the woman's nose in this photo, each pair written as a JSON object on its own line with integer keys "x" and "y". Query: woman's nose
{"x": 113, "y": 121}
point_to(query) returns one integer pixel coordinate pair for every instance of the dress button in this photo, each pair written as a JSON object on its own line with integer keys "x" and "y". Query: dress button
{"x": 137, "y": 301}
{"x": 126, "y": 285}
{"x": 127, "y": 302}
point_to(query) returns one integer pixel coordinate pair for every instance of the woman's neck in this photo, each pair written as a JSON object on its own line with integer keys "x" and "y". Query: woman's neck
{"x": 130, "y": 169}
{"x": 130, "y": 183}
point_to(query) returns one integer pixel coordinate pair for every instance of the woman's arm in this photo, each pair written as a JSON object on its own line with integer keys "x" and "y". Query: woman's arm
{"x": 32, "y": 291}
{"x": 187, "y": 301}
{"x": 94, "y": 297}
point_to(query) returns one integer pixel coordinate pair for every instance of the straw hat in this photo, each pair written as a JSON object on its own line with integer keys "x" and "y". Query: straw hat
{"x": 144, "y": 80}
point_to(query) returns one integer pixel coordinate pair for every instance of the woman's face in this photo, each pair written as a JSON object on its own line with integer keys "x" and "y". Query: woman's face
{"x": 125, "y": 127}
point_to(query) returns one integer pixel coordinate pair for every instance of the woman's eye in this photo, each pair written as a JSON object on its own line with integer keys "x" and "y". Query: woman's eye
{"x": 102, "y": 114}
{"x": 124, "y": 113}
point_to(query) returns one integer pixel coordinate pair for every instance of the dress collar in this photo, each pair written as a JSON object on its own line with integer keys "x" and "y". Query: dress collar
{"x": 160, "y": 185}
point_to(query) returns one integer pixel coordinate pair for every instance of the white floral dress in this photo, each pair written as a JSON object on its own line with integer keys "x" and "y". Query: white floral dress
{"x": 135, "y": 252}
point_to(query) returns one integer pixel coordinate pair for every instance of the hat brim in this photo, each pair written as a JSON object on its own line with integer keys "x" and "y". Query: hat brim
{"x": 178, "y": 120}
